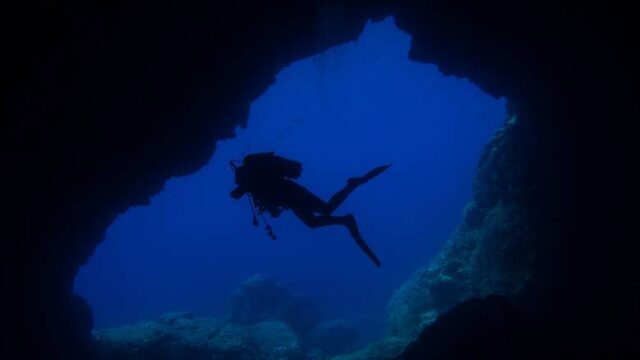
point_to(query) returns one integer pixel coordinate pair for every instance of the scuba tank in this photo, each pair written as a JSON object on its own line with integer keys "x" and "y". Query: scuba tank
{"x": 254, "y": 172}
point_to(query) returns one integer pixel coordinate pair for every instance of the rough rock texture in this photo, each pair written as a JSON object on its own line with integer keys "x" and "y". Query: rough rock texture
{"x": 385, "y": 349}
{"x": 263, "y": 298}
{"x": 183, "y": 336}
{"x": 333, "y": 337}
{"x": 260, "y": 327}
{"x": 493, "y": 250}
{"x": 102, "y": 103}
{"x": 260, "y": 297}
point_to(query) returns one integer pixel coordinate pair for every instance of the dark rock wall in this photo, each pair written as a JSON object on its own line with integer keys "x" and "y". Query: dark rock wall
{"x": 569, "y": 74}
{"x": 487, "y": 328}
{"x": 103, "y": 103}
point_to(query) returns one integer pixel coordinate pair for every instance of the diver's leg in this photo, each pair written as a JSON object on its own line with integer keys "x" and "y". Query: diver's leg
{"x": 355, "y": 234}
{"x": 314, "y": 221}
{"x": 338, "y": 198}
{"x": 349, "y": 221}
{"x": 352, "y": 183}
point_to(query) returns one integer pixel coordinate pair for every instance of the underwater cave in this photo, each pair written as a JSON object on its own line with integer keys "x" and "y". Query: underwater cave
{"x": 340, "y": 113}
{"x": 119, "y": 122}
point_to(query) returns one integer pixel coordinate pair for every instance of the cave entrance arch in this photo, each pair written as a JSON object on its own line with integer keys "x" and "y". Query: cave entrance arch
{"x": 341, "y": 113}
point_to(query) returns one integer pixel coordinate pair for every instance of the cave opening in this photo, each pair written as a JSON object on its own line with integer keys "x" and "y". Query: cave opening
{"x": 341, "y": 112}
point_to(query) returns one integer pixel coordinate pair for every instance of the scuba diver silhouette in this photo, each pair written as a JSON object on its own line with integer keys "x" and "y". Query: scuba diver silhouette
{"x": 266, "y": 179}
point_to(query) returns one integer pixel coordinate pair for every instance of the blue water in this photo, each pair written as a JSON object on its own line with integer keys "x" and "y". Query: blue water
{"x": 341, "y": 113}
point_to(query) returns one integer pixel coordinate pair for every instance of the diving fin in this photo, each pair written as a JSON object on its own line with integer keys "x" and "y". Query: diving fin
{"x": 357, "y": 181}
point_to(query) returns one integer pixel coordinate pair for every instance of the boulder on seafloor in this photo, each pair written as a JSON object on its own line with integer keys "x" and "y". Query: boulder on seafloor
{"x": 275, "y": 340}
{"x": 183, "y": 336}
{"x": 333, "y": 337}
{"x": 263, "y": 298}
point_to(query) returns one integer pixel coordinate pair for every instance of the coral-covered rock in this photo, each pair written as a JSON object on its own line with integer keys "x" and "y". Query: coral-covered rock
{"x": 275, "y": 339}
{"x": 492, "y": 250}
{"x": 176, "y": 317}
{"x": 181, "y": 336}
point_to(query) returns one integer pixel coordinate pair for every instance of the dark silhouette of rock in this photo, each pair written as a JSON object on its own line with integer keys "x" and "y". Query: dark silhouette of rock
{"x": 574, "y": 142}
{"x": 488, "y": 328}
{"x": 103, "y": 103}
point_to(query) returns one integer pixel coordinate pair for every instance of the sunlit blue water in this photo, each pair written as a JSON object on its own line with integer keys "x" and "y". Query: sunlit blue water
{"x": 341, "y": 113}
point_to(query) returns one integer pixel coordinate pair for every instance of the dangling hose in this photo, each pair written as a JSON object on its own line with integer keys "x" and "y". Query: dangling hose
{"x": 234, "y": 167}
{"x": 261, "y": 213}
{"x": 253, "y": 211}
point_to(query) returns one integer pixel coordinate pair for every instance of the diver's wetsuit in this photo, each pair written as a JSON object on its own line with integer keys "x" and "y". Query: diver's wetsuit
{"x": 274, "y": 193}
